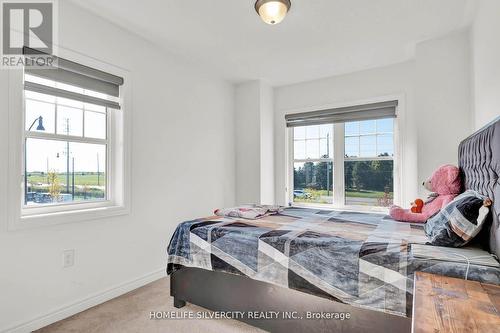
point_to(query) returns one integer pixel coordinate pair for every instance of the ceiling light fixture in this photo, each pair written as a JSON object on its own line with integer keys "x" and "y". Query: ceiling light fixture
{"x": 272, "y": 11}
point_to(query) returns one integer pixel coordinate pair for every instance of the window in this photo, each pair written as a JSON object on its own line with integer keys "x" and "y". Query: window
{"x": 313, "y": 164}
{"x": 66, "y": 148}
{"x": 342, "y": 161}
{"x": 368, "y": 163}
{"x": 74, "y": 153}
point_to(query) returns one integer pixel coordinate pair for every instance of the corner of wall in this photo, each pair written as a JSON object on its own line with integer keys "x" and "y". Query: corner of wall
{"x": 443, "y": 99}
{"x": 485, "y": 59}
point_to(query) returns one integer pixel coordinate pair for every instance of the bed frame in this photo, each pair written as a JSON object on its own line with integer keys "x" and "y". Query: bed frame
{"x": 479, "y": 162}
{"x": 228, "y": 292}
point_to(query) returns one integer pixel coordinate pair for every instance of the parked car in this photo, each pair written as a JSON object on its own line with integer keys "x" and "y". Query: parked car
{"x": 301, "y": 194}
{"x": 30, "y": 196}
{"x": 47, "y": 198}
{"x": 43, "y": 198}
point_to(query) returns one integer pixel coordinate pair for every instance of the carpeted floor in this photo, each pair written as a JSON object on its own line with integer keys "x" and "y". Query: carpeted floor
{"x": 131, "y": 313}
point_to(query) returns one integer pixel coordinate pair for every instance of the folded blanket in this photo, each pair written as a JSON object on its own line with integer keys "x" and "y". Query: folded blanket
{"x": 251, "y": 212}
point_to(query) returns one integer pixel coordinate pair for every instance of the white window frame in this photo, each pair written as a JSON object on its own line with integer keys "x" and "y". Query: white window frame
{"x": 117, "y": 201}
{"x": 339, "y": 159}
{"x": 61, "y": 206}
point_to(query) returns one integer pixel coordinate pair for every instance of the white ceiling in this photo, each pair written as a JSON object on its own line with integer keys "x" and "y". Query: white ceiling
{"x": 318, "y": 38}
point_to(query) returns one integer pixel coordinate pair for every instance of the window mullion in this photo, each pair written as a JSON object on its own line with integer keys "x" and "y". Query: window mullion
{"x": 314, "y": 160}
{"x": 290, "y": 181}
{"x": 338, "y": 167}
{"x": 55, "y": 117}
{"x": 58, "y": 137}
{"x": 359, "y": 139}
{"x": 83, "y": 120}
{"x": 110, "y": 158}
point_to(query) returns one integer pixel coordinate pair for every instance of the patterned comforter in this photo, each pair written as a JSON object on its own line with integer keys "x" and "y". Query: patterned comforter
{"x": 360, "y": 259}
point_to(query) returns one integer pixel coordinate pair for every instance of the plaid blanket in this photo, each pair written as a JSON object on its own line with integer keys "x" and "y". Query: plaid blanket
{"x": 355, "y": 258}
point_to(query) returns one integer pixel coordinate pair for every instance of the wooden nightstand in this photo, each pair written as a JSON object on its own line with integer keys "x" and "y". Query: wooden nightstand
{"x": 443, "y": 304}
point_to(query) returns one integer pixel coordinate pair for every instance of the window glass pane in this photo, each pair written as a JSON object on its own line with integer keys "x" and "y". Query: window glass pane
{"x": 325, "y": 148}
{"x": 352, "y": 146}
{"x": 95, "y": 125}
{"x": 69, "y": 121}
{"x": 35, "y": 110}
{"x": 352, "y": 128}
{"x": 385, "y": 125}
{"x": 370, "y": 144}
{"x": 385, "y": 145}
{"x": 90, "y": 171}
{"x": 312, "y": 149}
{"x": 312, "y": 132}
{"x": 326, "y": 137}
{"x": 313, "y": 142}
{"x": 325, "y": 131}
{"x": 45, "y": 167}
{"x": 299, "y": 149}
{"x": 369, "y": 183}
{"x": 299, "y": 133}
{"x": 367, "y": 127}
{"x": 59, "y": 171}
{"x": 367, "y": 146}
{"x": 313, "y": 182}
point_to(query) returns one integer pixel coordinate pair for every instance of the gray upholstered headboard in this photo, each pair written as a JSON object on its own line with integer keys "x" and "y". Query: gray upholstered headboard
{"x": 479, "y": 162}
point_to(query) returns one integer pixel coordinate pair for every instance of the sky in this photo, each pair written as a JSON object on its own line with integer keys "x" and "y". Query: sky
{"x": 51, "y": 153}
{"x": 368, "y": 138}
{"x": 71, "y": 118}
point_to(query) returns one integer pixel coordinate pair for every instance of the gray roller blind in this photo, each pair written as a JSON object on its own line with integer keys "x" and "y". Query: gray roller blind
{"x": 344, "y": 114}
{"x": 72, "y": 73}
{"x": 76, "y": 79}
{"x": 40, "y": 88}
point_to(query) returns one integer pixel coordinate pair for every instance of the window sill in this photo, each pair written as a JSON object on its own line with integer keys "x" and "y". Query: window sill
{"x": 63, "y": 217}
{"x": 356, "y": 209}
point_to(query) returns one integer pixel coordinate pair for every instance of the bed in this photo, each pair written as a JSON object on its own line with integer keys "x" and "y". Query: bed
{"x": 304, "y": 263}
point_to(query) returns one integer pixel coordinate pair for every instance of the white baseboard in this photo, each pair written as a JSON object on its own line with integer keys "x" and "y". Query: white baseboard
{"x": 86, "y": 303}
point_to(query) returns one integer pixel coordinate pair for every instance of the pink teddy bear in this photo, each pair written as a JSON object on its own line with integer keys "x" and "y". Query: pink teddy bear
{"x": 446, "y": 184}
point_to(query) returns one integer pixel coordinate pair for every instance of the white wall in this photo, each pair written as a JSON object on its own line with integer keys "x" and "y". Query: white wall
{"x": 443, "y": 100}
{"x": 267, "y": 144}
{"x": 254, "y": 143}
{"x": 366, "y": 86}
{"x": 486, "y": 62}
{"x": 247, "y": 119}
{"x": 182, "y": 167}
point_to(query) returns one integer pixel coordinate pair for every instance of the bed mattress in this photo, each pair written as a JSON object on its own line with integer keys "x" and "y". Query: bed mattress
{"x": 360, "y": 259}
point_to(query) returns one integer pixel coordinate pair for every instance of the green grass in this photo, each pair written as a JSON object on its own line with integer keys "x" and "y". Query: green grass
{"x": 349, "y": 193}
{"x": 317, "y": 196}
{"x": 320, "y": 196}
{"x": 366, "y": 194}
{"x": 80, "y": 179}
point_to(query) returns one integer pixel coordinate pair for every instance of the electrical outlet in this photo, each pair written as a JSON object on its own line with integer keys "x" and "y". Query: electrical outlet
{"x": 68, "y": 258}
